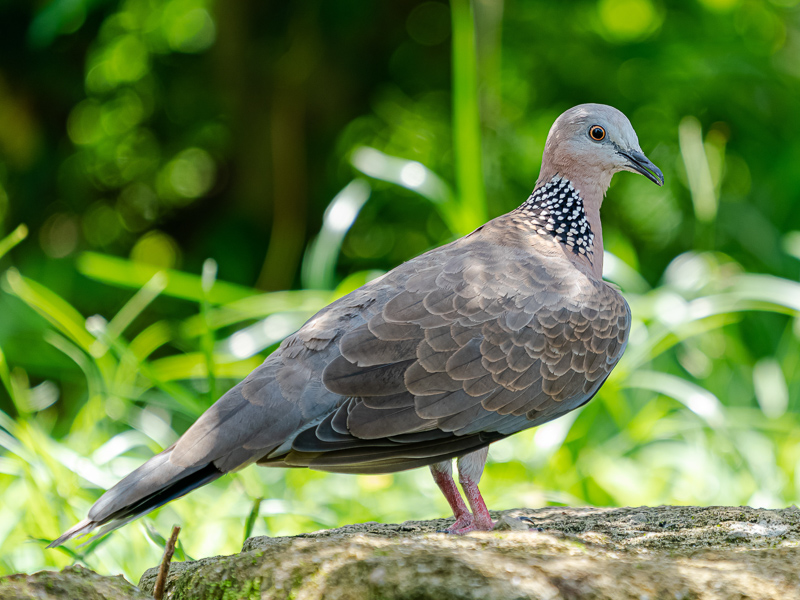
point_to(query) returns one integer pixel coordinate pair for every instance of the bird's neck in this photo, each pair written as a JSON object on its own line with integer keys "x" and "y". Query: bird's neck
{"x": 568, "y": 212}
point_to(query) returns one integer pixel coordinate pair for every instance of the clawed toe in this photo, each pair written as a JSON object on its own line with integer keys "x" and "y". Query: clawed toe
{"x": 472, "y": 525}
{"x": 461, "y": 523}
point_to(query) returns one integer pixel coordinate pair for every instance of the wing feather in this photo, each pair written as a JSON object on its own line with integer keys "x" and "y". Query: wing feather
{"x": 486, "y": 341}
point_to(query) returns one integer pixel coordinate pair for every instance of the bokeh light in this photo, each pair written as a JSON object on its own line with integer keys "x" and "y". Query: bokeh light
{"x": 59, "y": 236}
{"x": 186, "y": 177}
{"x": 158, "y": 249}
{"x": 101, "y": 225}
{"x": 628, "y": 20}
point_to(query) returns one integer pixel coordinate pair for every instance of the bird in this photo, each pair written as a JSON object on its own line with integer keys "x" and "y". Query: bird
{"x": 504, "y": 329}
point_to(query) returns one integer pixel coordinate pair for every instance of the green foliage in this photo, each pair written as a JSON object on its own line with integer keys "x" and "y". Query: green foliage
{"x": 307, "y": 149}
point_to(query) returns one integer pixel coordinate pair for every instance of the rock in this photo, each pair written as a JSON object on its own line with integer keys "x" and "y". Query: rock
{"x": 73, "y": 583}
{"x": 508, "y": 523}
{"x": 680, "y": 552}
{"x": 574, "y": 553}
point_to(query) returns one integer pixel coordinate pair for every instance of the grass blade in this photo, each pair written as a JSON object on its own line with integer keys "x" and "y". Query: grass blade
{"x": 5, "y": 375}
{"x": 466, "y": 118}
{"x": 12, "y": 239}
{"x": 125, "y": 273}
{"x": 192, "y": 365}
{"x": 161, "y": 542}
{"x": 319, "y": 262}
{"x": 251, "y": 518}
{"x": 151, "y": 339}
{"x": 76, "y": 556}
{"x": 258, "y": 307}
{"x": 209, "y": 277}
{"x": 138, "y": 302}
{"x": 413, "y": 176}
{"x": 697, "y": 399}
{"x": 52, "y": 307}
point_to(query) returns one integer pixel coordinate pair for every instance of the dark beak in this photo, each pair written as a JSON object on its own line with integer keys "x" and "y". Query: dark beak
{"x": 641, "y": 164}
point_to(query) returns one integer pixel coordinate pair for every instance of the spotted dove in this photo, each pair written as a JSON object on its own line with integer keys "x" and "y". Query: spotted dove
{"x": 504, "y": 329}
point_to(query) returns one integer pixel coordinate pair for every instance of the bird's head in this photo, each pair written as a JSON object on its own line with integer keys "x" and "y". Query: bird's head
{"x": 592, "y": 142}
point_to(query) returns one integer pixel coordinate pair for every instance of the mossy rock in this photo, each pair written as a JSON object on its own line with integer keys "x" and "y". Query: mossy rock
{"x": 557, "y": 553}
{"x": 75, "y": 583}
{"x": 560, "y": 553}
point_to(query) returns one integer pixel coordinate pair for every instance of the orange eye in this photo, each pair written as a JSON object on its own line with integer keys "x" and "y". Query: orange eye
{"x": 597, "y": 133}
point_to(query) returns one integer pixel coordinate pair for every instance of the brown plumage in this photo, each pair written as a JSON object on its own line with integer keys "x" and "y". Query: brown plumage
{"x": 504, "y": 329}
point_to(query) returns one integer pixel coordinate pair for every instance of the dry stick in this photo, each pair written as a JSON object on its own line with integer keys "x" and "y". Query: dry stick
{"x": 163, "y": 570}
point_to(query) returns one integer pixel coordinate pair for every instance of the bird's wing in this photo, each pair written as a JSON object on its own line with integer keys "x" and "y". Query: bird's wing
{"x": 485, "y": 344}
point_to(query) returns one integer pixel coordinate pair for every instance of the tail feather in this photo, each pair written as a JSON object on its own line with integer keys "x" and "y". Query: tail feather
{"x": 82, "y": 528}
{"x": 155, "y": 483}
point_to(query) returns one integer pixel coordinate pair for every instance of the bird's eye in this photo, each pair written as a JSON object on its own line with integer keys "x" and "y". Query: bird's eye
{"x": 597, "y": 133}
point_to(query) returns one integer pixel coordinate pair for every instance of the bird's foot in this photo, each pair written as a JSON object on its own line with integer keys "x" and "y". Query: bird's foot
{"x": 474, "y": 524}
{"x": 473, "y": 527}
{"x": 462, "y": 522}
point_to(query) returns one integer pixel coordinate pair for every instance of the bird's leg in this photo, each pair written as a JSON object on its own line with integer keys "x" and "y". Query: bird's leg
{"x": 470, "y": 469}
{"x": 443, "y": 476}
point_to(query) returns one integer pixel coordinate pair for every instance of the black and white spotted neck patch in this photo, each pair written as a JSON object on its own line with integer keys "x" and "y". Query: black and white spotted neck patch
{"x": 556, "y": 209}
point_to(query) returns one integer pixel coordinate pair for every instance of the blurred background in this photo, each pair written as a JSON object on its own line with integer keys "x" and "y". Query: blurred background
{"x": 184, "y": 182}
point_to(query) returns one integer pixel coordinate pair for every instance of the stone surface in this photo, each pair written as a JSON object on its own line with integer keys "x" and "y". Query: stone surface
{"x": 72, "y": 583}
{"x": 568, "y": 553}
{"x": 556, "y": 553}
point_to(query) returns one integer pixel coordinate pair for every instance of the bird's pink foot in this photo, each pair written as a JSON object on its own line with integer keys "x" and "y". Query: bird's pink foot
{"x": 473, "y": 526}
{"x": 481, "y": 519}
{"x": 465, "y": 521}
{"x": 444, "y": 480}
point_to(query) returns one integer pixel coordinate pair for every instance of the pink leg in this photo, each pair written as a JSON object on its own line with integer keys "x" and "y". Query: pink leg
{"x": 481, "y": 520}
{"x": 443, "y": 476}
{"x": 470, "y": 469}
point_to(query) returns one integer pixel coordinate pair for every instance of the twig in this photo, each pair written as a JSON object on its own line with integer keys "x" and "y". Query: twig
{"x": 163, "y": 570}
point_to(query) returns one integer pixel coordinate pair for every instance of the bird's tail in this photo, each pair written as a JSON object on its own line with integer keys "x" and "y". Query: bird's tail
{"x": 155, "y": 483}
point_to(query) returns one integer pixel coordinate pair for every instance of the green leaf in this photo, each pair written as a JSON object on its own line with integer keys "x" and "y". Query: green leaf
{"x": 12, "y": 239}
{"x": 208, "y": 279}
{"x": 52, "y": 307}
{"x": 94, "y": 544}
{"x": 319, "y": 262}
{"x": 151, "y": 339}
{"x": 257, "y": 307}
{"x": 153, "y": 535}
{"x": 66, "y": 319}
{"x": 192, "y": 365}
{"x": 697, "y": 399}
{"x": 177, "y": 395}
{"x": 414, "y": 176}
{"x": 161, "y": 542}
{"x": 5, "y": 376}
{"x": 126, "y": 273}
{"x": 251, "y": 518}
{"x": 134, "y": 307}
{"x": 466, "y": 118}
{"x": 74, "y": 555}
{"x": 94, "y": 379}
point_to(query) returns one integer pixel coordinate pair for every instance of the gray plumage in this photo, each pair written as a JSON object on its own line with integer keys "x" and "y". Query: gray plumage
{"x": 504, "y": 329}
